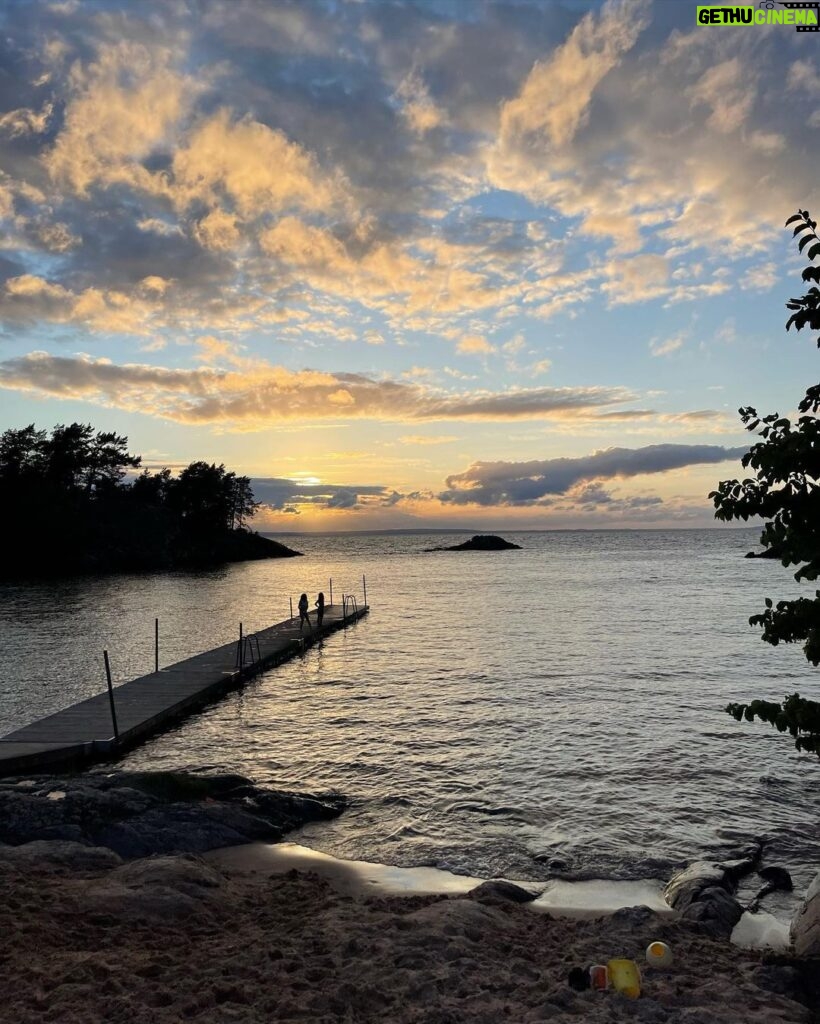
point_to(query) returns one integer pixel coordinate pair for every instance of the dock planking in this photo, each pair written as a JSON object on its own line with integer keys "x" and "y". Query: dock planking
{"x": 145, "y": 706}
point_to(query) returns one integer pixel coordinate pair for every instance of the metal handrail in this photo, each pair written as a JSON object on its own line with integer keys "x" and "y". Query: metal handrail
{"x": 349, "y": 599}
{"x": 245, "y": 646}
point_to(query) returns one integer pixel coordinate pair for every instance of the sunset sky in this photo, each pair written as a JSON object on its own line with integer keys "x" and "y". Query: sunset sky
{"x": 432, "y": 263}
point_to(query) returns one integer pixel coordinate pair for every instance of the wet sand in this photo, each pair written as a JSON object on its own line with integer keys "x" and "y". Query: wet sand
{"x": 170, "y": 939}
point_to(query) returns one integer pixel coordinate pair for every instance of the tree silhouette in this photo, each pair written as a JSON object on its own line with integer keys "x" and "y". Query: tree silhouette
{"x": 71, "y": 503}
{"x": 786, "y": 492}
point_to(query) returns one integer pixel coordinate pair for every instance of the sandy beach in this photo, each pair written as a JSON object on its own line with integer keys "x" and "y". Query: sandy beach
{"x": 88, "y": 939}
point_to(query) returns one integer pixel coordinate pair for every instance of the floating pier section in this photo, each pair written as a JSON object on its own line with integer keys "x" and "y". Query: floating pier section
{"x": 104, "y": 726}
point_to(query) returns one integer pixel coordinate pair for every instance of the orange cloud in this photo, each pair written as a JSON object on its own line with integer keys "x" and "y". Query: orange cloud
{"x": 260, "y": 394}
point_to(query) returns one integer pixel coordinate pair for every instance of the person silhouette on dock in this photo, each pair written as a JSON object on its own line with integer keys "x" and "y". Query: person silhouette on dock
{"x": 320, "y": 608}
{"x": 304, "y": 615}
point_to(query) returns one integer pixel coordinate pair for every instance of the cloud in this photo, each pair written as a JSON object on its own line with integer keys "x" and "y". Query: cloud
{"x": 665, "y": 348}
{"x": 217, "y": 230}
{"x": 57, "y": 237}
{"x": 803, "y": 77}
{"x": 269, "y": 160}
{"x": 29, "y": 298}
{"x": 727, "y": 89}
{"x": 760, "y": 278}
{"x": 25, "y": 121}
{"x": 637, "y": 279}
{"x": 417, "y": 107}
{"x": 121, "y": 108}
{"x": 554, "y": 100}
{"x": 525, "y": 483}
{"x": 382, "y": 274}
{"x": 281, "y": 494}
{"x": 253, "y": 168}
{"x": 474, "y": 345}
{"x": 427, "y": 439}
{"x": 668, "y": 140}
{"x": 260, "y": 393}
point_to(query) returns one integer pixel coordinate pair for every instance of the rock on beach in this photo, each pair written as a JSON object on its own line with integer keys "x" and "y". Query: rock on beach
{"x": 136, "y": 814}
{"x": 805, "y": 928}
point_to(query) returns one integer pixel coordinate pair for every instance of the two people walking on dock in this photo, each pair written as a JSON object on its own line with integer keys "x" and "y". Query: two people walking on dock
{"x": 304, "y": 614}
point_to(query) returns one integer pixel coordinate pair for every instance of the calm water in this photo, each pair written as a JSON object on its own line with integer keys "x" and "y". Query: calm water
{"x": 555, "y": 710}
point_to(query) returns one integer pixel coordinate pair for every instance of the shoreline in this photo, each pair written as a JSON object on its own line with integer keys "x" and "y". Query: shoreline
{"x": 168, "y": 938}
{"x": 579, "y": 900}
{"x": 109, "y": 922}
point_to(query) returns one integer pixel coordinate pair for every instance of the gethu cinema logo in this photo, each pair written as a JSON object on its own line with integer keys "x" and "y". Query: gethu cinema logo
{"x": 804, "y": 16}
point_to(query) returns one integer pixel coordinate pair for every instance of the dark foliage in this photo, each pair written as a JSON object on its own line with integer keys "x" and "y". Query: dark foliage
{"x": 785, "y": 491}
{"x": 68, "y": 507}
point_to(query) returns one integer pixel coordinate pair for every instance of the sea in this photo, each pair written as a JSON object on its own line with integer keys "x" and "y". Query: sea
{"x": 554, "y": 712}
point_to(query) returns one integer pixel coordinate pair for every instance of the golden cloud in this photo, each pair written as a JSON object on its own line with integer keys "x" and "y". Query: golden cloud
{"x": 121, "y": 107}
{"x": 259, "y": 394}
{"x": 252, "y": 167}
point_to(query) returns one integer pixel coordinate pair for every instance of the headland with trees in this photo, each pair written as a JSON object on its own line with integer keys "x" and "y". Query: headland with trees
{"x": 73, "y": 503}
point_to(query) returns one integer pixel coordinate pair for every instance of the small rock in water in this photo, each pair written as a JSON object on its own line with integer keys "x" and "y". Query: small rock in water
{"x": 481, "y": 542}
{"x": 715, "y": 911}
{"x": 497, "y": 889}
{"x": 777, "y": 877}
{"x": 686, "y": 886}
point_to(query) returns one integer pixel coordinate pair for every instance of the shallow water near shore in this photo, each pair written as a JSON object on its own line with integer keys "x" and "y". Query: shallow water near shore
{"x": 589, "y": 899}
{"x": 549, "y": 712}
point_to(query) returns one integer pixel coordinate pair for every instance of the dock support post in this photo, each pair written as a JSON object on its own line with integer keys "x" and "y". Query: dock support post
{"x": 364, "y": 584}
{"x": 331, "y": 590}
{"x": 291, "y": 606}
{"x": 111, "y": 698}
{"x": 156, "y": 645}
{"x": 241, "y": 646}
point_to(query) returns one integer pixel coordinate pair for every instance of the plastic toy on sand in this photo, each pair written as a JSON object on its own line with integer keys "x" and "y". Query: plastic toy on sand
{"x": 658, "y": 954}
{"x": 596, "y": 976}
{"x": 625, "y": 977}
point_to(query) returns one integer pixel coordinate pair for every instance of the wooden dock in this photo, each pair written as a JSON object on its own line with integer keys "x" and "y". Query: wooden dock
{"x": 84, "y": 732}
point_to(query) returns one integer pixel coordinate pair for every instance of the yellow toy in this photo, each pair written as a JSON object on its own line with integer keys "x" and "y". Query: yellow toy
{"x": 625, "y": 977}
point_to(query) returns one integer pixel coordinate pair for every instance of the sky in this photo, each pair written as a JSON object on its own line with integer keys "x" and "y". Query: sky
{"x": 435, "y": 263}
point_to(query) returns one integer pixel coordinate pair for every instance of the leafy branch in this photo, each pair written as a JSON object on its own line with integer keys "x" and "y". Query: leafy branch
{"x": 785, "y": 492}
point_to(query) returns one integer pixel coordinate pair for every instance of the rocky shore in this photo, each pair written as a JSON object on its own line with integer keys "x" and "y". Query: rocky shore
{"x": 137, "y": 814}
{"x": 96, "y": 931}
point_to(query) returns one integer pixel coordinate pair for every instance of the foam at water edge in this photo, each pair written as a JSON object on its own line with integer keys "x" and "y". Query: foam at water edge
{"x": 592, "y": 898}
{"x": 761, "y": 930}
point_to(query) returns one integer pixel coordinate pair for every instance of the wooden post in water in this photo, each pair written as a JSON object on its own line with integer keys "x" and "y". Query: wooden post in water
{"x": 291, "y": 606}
{"x": 241, "y": 645}
{"x": 364, "y": 584}
{"x": 111, "y": 698}
{"x": 331, "y": 590}
{"x": 156, "y": 645}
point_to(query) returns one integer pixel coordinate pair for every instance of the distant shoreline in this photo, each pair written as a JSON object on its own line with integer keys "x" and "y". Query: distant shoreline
{"x": 423, "y": 531}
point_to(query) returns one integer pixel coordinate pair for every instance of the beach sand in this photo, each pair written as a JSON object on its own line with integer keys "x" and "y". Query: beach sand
{"x": 170, "y": 939}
